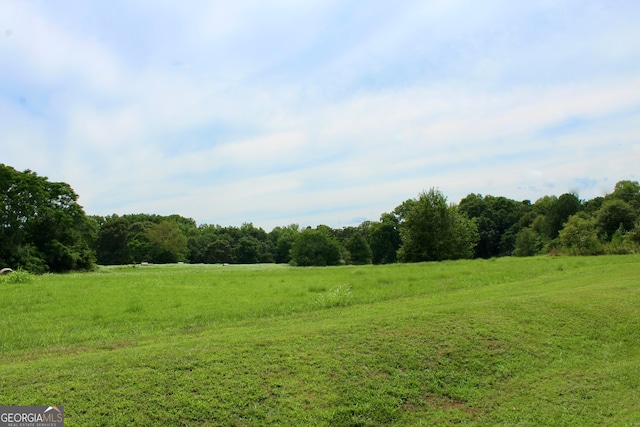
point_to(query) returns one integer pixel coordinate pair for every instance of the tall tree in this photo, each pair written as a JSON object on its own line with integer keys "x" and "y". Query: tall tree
{"x": 42, "y": 226}
{"x": 431, "y": 230}
{"x": 497, "y": 219}
{"x": 220, "y": 250}
{"x": 629, "y": 192}
{"x": 385, "y": 239}
{"x": 283, "y": 238}
{"x": 111, "y": 244}
{"x": 359, "y": 250}
{"x": 559, "y": 212}
{"x": 615, "y": 214}
{"x": 248, "y": 250}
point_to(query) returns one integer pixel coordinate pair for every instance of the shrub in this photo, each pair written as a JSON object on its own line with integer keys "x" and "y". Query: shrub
{"x": 18, "y": 276}
{"x": 579, "y": 237}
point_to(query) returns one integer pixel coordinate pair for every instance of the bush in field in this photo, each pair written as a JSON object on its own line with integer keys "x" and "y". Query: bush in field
{"x": 624, "y": 242}
{"x": 526, "y": 243}
{"x": 18, "y": 276}
{"x": 580, "y": 236}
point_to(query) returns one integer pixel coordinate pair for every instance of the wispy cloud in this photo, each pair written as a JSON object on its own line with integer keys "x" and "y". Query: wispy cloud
{"x": 318, "y": 112}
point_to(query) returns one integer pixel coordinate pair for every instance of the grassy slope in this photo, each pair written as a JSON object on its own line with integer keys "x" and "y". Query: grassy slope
{"x": 538, "y": 341}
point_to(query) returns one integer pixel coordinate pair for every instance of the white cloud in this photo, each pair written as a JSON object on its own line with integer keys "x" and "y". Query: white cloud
{"x": 37, "y": 50}
{"x": 317, "y": 112}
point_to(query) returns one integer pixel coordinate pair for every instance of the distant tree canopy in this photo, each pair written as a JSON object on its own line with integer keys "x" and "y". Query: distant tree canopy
{"x": 43, "y": 228}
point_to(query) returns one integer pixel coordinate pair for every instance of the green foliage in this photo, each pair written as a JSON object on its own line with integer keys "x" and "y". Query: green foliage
{"x": 527, "y": 243}
{"x": 315, "y": 248}
{"x": 633, "y": 236}
{"x": 359, "y": 249}
{"x": 433, "y": 231}
{"x": 42, "y": 227}
{"x": 497, "y": 220}
{"x": 385, "y": 239}
{"x": 629, "y": 192}
{"x": 615, "y": 214}
{"x": 17, "y": 277}
{"x": 559, "y": 212}
{"x": 623, "y": 242}
{"x": 111, "y": 243}
{"x": 579, "y": 236}
{"x": 284, "y": 238}
{"x": 248, "y": 250}
{"x": 138, "y": 243}
{"x": 220, "y": 250}
{"x": 168, "y": 244}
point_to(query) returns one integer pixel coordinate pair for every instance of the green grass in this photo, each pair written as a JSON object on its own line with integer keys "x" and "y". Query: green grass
{"x": 529, "y": 342}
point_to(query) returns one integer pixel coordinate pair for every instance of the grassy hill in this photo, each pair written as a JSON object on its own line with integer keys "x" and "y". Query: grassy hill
{"x": 530, "y": 341}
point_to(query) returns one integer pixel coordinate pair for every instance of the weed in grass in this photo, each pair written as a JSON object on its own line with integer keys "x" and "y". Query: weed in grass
{"x": 17, "y": 277}
{"x": 339, "y": 296}
{"x": 134, "y": 307}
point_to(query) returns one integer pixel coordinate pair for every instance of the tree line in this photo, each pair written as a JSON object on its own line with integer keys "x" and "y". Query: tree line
{"x": 44, "y": 229}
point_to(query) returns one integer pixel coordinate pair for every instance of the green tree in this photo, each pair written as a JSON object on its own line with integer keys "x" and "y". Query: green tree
{"x": 220, "y": 250}
{"x": 615, "y": 214}
{"x": 592, "y": 206}
{"x": 497, "y": 219}
{"x": 629, "y": 192}
{"x": 431, "y": 230}
{"x": 526, "y": 243}
{"x": 579, "y": 236}
{"x": 385, "y": 239}
{"x": 42, "y": 226}
{"x": 559, "y": 212}
{"x": 168, "y": 244}
{"x": 315, "y": 248}
{"x": 359, "y": 249}
{"x": 283, "y": 237}
{"x": 248, "y": 250}
{"x": 139, "y": 245}
{"x": 111, "y": 243}
{"x": 197, "y": 242}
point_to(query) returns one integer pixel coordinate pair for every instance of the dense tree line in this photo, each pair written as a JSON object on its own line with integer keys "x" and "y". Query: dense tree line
{"x": 42, "y": 228}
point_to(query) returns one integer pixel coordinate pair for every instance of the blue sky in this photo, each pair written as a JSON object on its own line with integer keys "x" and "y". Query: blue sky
{"x": 318, "y": 112}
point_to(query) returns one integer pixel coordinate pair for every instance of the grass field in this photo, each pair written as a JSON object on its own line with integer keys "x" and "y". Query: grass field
{"x": 529, "y": 342}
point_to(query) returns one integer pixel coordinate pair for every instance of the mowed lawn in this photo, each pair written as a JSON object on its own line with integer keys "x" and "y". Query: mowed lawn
{"x": 530, "y": 341}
